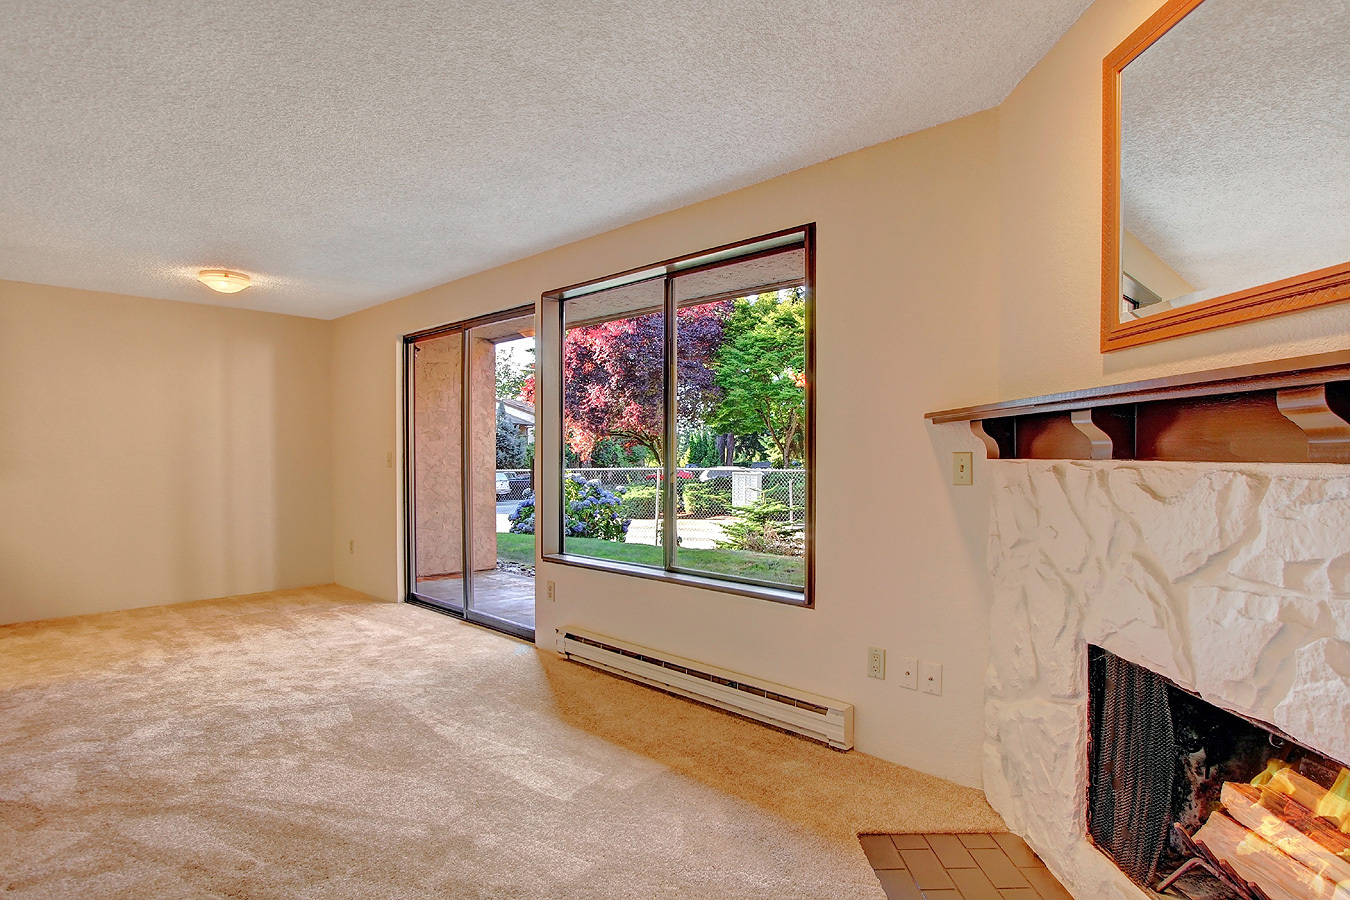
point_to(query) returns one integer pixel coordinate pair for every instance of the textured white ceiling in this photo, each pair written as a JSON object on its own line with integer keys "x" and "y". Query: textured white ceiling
{"x": 348, "y": 152}
{"x": 1235, "y": 143}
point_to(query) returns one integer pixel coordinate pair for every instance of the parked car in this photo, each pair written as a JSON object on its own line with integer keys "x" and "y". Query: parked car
{"x": 503, "y": 484}
{"x": 521, "y": 485}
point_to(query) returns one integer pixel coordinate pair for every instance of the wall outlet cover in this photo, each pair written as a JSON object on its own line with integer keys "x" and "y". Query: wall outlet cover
{"x": 909, "y": 672}
{"x": 931, "y": 676}
{"x": 963, "y": 467}
{"x": 876, "y": 662}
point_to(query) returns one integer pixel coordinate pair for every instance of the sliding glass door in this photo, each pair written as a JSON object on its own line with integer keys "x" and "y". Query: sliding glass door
{"x": 470, "y": 490}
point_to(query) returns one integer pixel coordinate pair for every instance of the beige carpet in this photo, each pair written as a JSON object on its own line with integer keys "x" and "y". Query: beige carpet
{"x": 309, "y": 744}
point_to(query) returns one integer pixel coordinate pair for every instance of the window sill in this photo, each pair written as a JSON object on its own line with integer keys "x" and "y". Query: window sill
{"x": 777, "y": 595}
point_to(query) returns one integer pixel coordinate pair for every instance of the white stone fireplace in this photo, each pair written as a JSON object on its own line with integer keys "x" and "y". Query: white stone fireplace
{"x": 1231, "y": 580}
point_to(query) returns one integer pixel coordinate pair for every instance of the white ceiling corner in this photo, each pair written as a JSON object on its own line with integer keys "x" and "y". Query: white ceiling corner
{"x": 345, "y": 153}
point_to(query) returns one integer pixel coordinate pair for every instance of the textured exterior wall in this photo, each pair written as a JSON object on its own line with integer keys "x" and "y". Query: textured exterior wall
{"x": 483, "y": 451}
{"x": 437, "y": 393}
{"x": 1233, "y": 582}
{"x": 437, "y": 388}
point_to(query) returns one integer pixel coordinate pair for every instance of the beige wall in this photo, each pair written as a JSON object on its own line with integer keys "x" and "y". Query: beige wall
{"x": 152, "y": 452}
{"x": 907, "y": 267}
{"x": 956, "y": 266}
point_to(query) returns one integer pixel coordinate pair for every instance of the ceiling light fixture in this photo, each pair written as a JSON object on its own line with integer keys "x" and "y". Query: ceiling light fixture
{"x": 224, "y": 281}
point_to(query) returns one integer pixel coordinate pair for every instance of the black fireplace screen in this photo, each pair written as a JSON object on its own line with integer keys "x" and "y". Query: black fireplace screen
{"x": 1132, "y": 764}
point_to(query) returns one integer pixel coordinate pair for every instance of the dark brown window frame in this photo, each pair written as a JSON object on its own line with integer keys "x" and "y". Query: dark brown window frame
{"x": 550, "y": 438}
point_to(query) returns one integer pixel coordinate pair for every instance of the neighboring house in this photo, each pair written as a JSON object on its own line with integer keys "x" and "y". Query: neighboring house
{"x": 519, "y": 413}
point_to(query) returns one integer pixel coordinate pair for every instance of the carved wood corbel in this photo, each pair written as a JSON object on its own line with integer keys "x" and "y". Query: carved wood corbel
{"x": 991, "y": 450}
{"x": 1102, "y": 446}
{"x": 1322, "y": 413}
{"x": 997, "y": 435}
{"x": 1110, "y": 431}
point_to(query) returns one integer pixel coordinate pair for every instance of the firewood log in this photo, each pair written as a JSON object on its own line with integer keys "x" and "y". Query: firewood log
{"x": 1281, "y": 877}
{"x": 1324, "y": 831}
{"x": 1243, "y": 803}
{"x": 1309, "y": 794}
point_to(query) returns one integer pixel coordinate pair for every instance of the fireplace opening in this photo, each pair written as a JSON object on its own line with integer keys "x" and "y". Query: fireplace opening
{"x": 1193, "y": 801}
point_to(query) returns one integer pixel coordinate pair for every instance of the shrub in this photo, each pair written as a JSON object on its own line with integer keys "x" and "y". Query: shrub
{"x": 760, "y": 529}
{"x": 606, "y": 454}
{"x": 589, "y": 511}
{"x": 707, "y": 498}
{"x": 522, "y": 517}
{"x": 640, "y": 502}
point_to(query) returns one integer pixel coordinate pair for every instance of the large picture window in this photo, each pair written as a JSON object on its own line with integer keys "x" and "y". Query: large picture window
{"x": 682, "y": 419}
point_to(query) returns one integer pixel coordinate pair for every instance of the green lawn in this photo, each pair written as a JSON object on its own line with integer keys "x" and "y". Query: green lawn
{"x": 741, "y": 563}
{"x": 516, "y": 548}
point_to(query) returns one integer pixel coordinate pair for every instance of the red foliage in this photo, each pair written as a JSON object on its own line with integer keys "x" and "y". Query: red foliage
{"x": 613, "y": 384}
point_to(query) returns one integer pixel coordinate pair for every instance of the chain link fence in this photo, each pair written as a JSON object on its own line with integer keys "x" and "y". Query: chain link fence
{"x": 707, "y": 498}
{"x": 702, "y": 493}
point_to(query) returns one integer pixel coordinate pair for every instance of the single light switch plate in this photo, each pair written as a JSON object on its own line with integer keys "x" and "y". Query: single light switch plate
{"x": 962, "y": 464}
{"x": 876, "y": 662}
{"x": 931, "y": 676}
{"x": 909, "y": 672}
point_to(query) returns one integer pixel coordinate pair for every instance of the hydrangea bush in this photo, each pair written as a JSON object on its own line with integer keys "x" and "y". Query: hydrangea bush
{"x": 590, "y": 510}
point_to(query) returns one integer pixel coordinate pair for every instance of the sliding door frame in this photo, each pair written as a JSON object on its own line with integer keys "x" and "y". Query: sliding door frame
{"x": 467, "y": 612}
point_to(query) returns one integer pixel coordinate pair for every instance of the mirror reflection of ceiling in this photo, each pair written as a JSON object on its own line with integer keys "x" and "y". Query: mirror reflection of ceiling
{"x": 1235, "y": 148}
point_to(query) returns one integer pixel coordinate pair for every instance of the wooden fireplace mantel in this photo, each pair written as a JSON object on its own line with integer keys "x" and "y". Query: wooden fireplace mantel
{"x": 1289, "y": 410}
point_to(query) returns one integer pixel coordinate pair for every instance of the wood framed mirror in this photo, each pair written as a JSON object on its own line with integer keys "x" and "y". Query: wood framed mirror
{"x": 1226, "y": 167}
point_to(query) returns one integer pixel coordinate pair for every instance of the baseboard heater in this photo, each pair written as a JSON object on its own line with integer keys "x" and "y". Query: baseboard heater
{"x": 816, "y": 717}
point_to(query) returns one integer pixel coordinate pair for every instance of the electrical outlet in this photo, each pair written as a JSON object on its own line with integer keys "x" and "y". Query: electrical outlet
{"x": 909, "y": 673}
{"x": 962, "y": 467}
{"x": 931, "y": 673}
{"x": 876, "y": 662}
{"x": 552, "y": 591}
{"x": 351, "y": 546}
{"x": 389, "y": 460}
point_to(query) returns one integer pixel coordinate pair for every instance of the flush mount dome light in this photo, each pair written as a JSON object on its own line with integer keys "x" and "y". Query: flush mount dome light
{"x": 224, "y": 281}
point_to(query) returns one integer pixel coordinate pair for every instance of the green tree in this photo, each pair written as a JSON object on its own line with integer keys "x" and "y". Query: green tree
{"x": 607, "y": 454}
{"x": 511, "y": 377}
{"x": 703, "y": 449}
{"x": 510, "y": 443}
{"x": 750, "y": 449}
{"x": 761, "y": 371}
